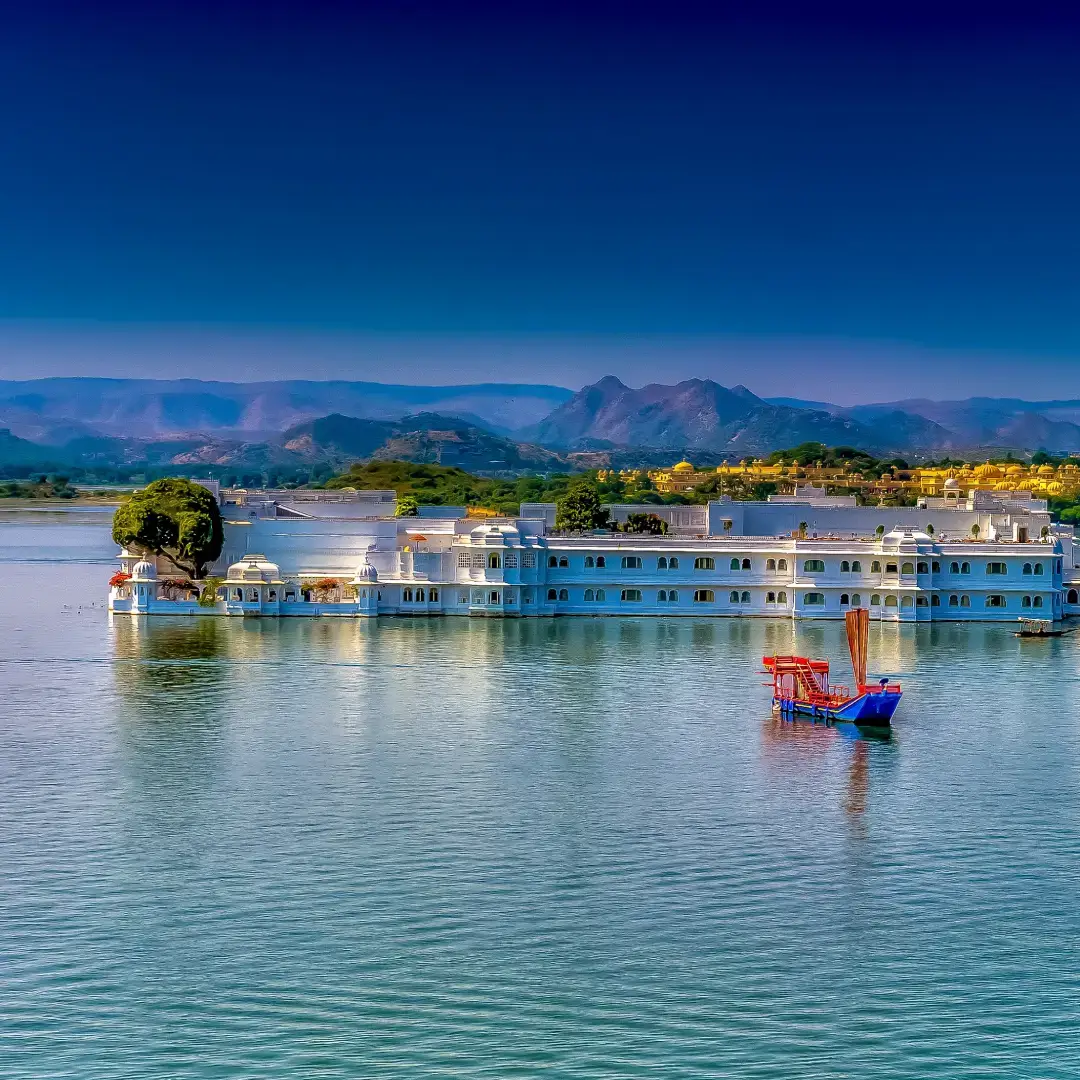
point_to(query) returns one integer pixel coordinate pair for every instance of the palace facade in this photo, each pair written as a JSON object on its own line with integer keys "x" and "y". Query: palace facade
{"x": 987, "y": 558}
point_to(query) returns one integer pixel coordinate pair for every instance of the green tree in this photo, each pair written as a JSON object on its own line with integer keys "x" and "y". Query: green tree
{"x": 173, "y": 518}
{"x": 579, "y": 509}
{"x": 645, "y": 523}
{"x": 407, "y": 506}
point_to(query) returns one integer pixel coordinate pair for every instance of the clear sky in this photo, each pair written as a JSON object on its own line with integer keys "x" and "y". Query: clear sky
{"x": 837, "y": 206}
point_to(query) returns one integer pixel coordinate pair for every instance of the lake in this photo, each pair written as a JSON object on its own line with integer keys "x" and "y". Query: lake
{"x": 520, "y": 848}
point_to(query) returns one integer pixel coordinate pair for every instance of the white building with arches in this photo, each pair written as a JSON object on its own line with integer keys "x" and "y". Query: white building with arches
{"x": 988, "y": 560}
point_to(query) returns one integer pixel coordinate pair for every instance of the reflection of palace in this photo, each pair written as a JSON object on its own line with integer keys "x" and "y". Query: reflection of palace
{"x": 991, "y": 556}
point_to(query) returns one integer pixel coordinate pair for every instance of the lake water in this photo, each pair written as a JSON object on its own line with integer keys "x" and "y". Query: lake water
{"x": 560, "y": 848}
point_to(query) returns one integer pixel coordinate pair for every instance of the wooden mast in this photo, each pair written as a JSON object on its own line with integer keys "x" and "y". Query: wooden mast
{"x": 858, "y": 635}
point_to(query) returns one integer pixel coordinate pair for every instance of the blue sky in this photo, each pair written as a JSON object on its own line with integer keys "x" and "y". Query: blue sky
{"x": 657, "y": 190}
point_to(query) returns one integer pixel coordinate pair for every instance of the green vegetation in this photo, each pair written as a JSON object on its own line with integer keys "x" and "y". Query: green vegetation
{"x": 52, "y": 487}
{"x": 648, "y": 524}
{"x": 442, "y": 485}
{"x": 579, "y": 509}
{"x": 173, "y": 518}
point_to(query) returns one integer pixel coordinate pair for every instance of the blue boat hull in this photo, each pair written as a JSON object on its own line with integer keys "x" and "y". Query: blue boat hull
{"x": 872, "y": 709}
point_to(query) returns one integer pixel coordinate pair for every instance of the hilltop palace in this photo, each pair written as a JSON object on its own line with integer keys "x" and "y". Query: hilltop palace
{"x": 980, "y": 555}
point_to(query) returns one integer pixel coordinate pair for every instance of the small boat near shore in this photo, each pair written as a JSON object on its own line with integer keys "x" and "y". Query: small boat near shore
{"x": 801, "y": 685}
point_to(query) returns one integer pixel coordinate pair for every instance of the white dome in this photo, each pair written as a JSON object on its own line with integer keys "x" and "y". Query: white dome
{"x": 952, "y": 484}
{"x": 496, "y": 533}
{"x": 144, "y": 571}
{"x": 365, "y": 572}
{"x": 254, "y": 568}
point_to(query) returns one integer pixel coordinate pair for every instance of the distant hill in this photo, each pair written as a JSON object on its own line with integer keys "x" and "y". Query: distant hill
{"x": 56, "y": 410}
{"x": 696, "y": 414}
{"x": 425, "y": 438}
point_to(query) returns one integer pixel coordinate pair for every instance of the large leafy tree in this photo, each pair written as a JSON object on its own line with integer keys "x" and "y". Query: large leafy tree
{"x": 173, "y": 518}
{"x": 579, "y": 509}
{"x": 645, "y": 523}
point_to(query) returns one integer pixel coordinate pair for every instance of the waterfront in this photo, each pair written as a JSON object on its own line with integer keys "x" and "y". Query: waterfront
{"x": 564, "y": 847}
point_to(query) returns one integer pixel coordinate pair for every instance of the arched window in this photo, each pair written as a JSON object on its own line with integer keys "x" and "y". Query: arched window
{"x": 856, "y": 600}
{"x": 631, "y": 562}
{"x": 935, "y": 600}
{"x": 239, "y": 594}
{"x": 1038, "y": 601}
{"x": 965, "y": 568}
{"x": 733, "y": 598}
{"x": 552, "y": 561}
{"x": 631, "y": 596}
{"x": 954, "y": 568}
{"x": 935, "y": 567}
{"x": 744, "y": 598}
{"x": 673, "y": 596}
{"x": 552, "y": 594}
{"x": 433, "y": 594}
{"x": 845, "y": 567}
{"x": 813, "y": 566}
{"x": 253, "y": 596}
{"x": 781, "y": 597}
{"x": 920, "y": 601}
{"x": 590, "y": 562}
{"x": 703, "y": 596}
{"x": 770, "y": 598}
{"x": 1027, "y": 568}
{"x": 856, "y": 567}
{"x": 734, "y": 564}
{"x": 922, "y": 568}
{"x": 890, "y": 601}
{"x": 406, "y": 596}
{"x": 1038, "y": 568}
{"x": 954, "y": 600}
{"x": 746, "y": 564}
{"x": 419, "y": 596}
{"x": 661, "y": 563}
{"x": 1072, "y": 596}
{"x": 564, "y": 562}
{"x": 965, "y": 601}
{"x": 781, "y": 564}
{"x": 875, "y": 600}
{"x": 589, "y": 596}
{"x": 770, "y": 564}
{"x": 494, "y": 562}
{"x": 673, "y": 563}
{"x": 601, "y": 562}
{"x": 601, "y": 596}
{"x": 272, "y": 595}
{"x": 875, "y": 567}
{"x": 908, "y": 568}
{"x": 845, "y": 600}
{"x": 564, "y": 594}
{"x": 814, "y": 599}
{"x": 706, "y": 563}
{"x": 1025, "y": 602}
{"x": 661, "y": 597}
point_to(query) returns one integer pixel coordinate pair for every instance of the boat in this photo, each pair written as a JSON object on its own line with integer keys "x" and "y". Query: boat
{"x": 1042, "y": 628}
{"x": 801, "y": 686}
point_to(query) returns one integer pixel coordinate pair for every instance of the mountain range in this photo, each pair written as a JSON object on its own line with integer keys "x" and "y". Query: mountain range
{"x": 485, "y": 428}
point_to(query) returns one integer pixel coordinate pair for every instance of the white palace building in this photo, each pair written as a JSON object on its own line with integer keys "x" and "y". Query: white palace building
{"x": 989, "y": 556}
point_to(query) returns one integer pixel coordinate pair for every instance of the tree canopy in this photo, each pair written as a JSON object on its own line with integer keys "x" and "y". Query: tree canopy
{"x": 649, "y": 524}
{"x": 173, "y": 518}
{"x": 579, "y": 509}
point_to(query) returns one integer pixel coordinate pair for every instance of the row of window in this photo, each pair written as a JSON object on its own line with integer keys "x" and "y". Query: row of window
{"x": 416, "y": 596}
{"x": 495, "y": 561}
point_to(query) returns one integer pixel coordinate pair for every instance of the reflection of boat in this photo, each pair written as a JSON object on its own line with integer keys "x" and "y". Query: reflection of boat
{"x": 1041, "y": 628}
{"x": 801, "y": 686}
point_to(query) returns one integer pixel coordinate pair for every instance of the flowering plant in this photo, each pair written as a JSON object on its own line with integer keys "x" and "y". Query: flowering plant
{"x": 118, "y": 579}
